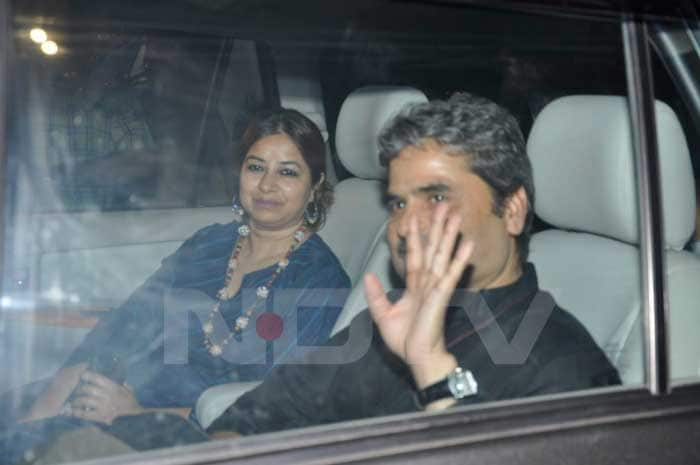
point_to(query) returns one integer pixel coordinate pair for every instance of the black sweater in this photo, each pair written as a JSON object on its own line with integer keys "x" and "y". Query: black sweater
{"x": 514, "y": 339}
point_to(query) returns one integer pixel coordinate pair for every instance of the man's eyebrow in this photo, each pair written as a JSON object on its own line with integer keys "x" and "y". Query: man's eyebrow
{"x": 433, "y": 188}
{"x": 389, "y": 198}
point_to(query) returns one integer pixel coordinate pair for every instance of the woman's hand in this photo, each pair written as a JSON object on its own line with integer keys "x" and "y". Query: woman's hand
{"x": 51, "y": 401}
{"x": 100, "y": 399}
{"x": 219, "y": 435}
{"x": 413, "y": 326}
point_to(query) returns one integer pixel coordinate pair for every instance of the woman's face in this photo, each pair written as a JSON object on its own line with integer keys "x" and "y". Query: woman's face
{"x": 275, "y": 183}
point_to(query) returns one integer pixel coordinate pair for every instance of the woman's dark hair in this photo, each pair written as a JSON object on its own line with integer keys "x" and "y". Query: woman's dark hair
{"x": 307, "y": 138}
{"x": 486, "y": 134}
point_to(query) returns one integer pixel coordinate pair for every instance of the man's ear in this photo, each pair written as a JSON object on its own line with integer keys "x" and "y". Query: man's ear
{"x": 515, "y": 213}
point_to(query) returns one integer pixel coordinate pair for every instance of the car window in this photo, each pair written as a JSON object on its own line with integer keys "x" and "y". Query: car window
{"x": 124, "y": 154}
{"x": 676, "y": 84}
{"x": 155, "y": 112}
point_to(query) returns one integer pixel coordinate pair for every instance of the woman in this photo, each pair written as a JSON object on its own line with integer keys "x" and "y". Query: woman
{"x": 252, "y": 293}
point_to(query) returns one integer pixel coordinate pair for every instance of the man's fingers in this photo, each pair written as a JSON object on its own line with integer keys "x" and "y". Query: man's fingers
{"x": 414, "y": 254}
{"x": 459, "y": 264}
{"x": 436, "y": 233}
{"x": 376, "y": 297}
{"x": 446, "y": 246}
{"x": 438, "y": 298}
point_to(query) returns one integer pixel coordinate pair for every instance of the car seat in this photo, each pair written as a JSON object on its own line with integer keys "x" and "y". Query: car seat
{"x": 584, "y": 172}
{"x": 359, "y": 212}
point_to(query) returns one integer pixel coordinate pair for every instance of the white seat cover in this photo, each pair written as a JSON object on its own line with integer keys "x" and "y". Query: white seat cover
{"x": 583, "y": 164}
{"x": 603, "y": 293}
{"x": 359, "y": 212}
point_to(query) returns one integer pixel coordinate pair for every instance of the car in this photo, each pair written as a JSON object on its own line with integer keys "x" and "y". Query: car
{"x": 121, "y": 122}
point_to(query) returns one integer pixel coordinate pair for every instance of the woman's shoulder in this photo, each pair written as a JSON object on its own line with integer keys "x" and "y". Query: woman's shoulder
{"x": 209, "y": 240}
{"x": 315, "y": 250}
{"x": 213, "y": 235}
{"x": 216, "y": 231}
{"x": 317, "y": 255}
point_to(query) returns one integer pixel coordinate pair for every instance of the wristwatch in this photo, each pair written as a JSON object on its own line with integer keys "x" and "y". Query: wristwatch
{"x": 458, "y": 384}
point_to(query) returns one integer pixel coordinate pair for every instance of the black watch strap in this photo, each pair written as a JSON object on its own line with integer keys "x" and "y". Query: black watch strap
{"x": 437, "y": 391}
{"x": 458, "y": 384}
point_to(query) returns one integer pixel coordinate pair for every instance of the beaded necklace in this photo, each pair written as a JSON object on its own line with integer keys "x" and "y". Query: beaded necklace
{"x": 261, "y": 293}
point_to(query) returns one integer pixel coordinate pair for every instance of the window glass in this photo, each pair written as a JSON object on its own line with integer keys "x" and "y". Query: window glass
{"x": 676, "y": 71}
{"x": 127, "y": 146}
{"x": 155, "y": 112}
{"x": 239, "y": 95}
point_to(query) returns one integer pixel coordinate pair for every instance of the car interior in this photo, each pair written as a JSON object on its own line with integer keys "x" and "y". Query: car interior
{"x": 580, "y": 146}
{"x": 68, "y": 261}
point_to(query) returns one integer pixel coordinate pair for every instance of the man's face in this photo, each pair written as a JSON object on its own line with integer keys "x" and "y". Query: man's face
{"x": 422, "y": 176}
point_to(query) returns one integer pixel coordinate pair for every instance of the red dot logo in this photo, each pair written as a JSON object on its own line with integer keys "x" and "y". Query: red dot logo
{"x": 269, "y": 326}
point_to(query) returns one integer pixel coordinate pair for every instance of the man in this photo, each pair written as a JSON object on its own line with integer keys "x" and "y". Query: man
{"x": 460, "y": 195}
{"x": 470, "y": 326}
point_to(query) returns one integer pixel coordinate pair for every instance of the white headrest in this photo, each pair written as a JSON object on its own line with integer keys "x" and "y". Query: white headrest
{"x": 583, "y": 165}
{"x": 362, "y": 116}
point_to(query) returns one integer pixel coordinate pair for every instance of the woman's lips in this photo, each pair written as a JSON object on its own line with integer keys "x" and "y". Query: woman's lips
{"x": 262, "y": 203}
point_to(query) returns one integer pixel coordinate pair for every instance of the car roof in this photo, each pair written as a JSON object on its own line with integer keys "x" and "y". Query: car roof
{"x": 304, "y": 15}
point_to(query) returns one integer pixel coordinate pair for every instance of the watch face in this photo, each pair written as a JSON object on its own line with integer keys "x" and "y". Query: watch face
{"x": 462, "y": 383}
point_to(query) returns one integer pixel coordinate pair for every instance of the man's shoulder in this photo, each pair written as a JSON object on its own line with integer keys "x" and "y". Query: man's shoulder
{"x": 550, "y": 351}
{"x": 566, "y": 331}
{"x": 566, "y": 351}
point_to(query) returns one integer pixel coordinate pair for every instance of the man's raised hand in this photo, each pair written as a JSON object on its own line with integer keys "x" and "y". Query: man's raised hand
{"x": 413, "y": 326}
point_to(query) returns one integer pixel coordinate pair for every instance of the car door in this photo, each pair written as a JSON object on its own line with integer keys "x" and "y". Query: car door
{"x": 524, "y": 56}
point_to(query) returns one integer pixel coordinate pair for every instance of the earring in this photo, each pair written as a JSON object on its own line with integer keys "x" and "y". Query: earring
{"x": 311, "y": 213}
{"x": 238, "y": 212}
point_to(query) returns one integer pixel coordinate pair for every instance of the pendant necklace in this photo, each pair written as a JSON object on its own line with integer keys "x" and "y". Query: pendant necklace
{"x": 217, "y": 348}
